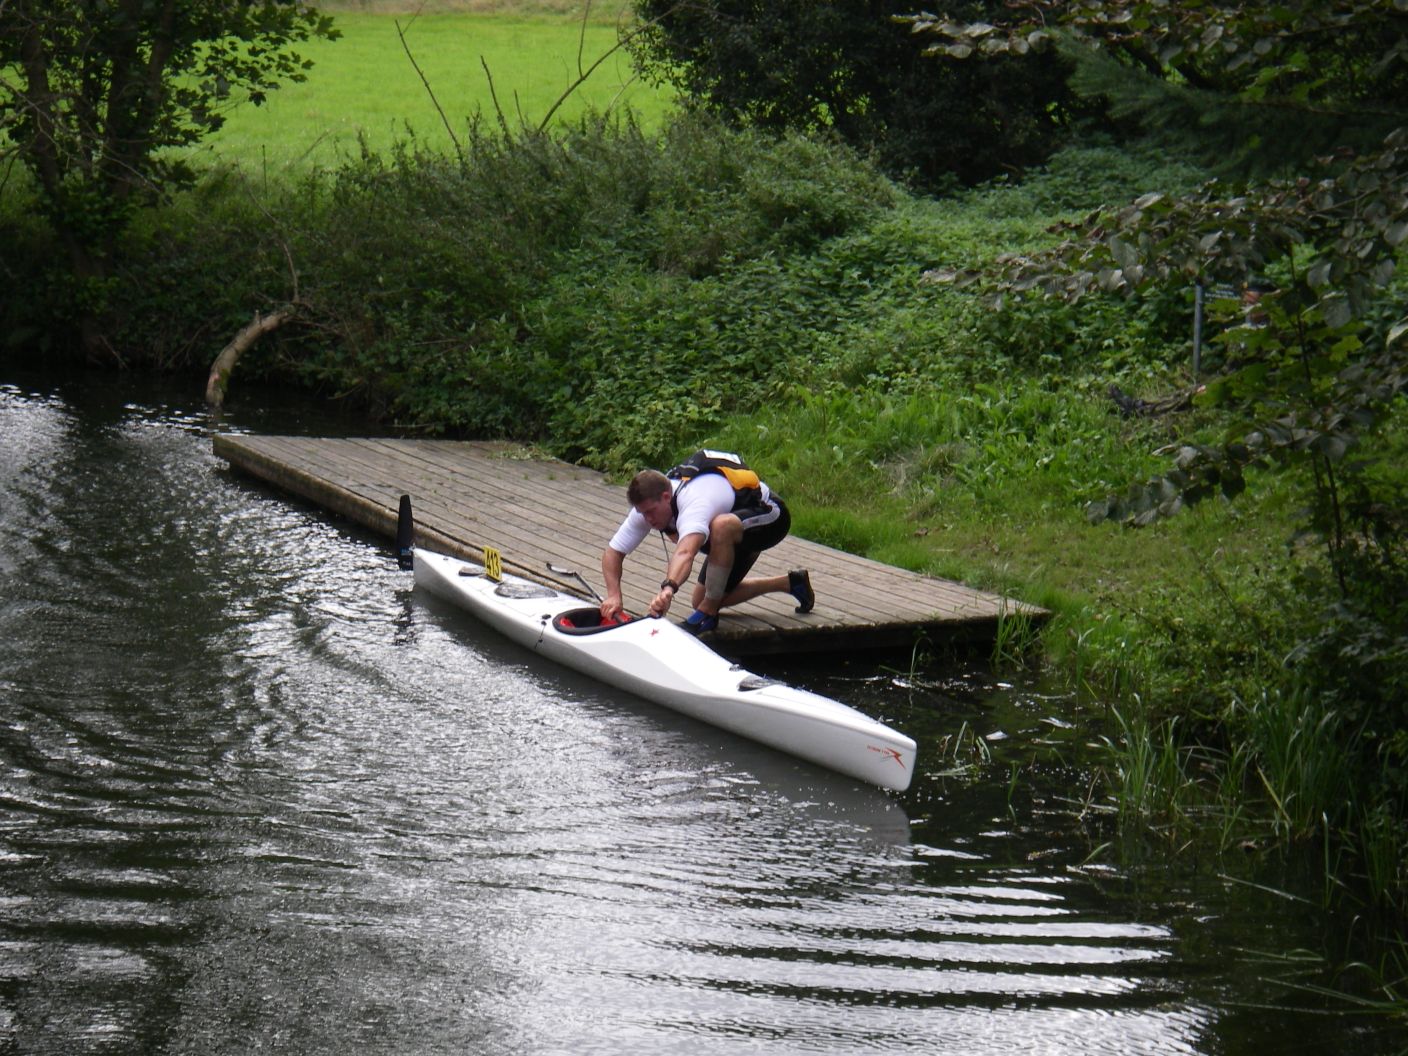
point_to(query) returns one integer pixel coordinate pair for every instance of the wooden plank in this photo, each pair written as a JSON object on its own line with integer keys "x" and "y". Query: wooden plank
{"x": 472, "y": 494}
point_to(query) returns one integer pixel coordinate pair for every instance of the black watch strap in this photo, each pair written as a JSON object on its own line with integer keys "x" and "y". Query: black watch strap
{"x": 671, "y": 584}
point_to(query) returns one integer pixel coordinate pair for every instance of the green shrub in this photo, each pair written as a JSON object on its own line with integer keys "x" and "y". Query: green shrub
{"x": 1081, "y": 177}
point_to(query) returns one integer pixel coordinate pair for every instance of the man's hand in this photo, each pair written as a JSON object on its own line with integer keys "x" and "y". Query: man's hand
{"x": 661, "y": 604}
{"x": 611, "y": 607}
{"x": 677, "y": 570}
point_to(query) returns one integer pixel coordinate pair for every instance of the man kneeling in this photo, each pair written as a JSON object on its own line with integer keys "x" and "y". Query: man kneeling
{"x": 711, "y": 504}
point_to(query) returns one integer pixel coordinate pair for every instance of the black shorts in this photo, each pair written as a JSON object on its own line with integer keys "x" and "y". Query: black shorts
{"x": 755, "y": 540}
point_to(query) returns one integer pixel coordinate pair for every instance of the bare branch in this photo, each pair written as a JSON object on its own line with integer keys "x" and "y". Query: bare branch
{"x": 494, "y": 95}
{"x": 224, "y": 364}
{"x": 429, "y": 91}
{"x": 582, "y": 34}
{"x": 582, "y": 75}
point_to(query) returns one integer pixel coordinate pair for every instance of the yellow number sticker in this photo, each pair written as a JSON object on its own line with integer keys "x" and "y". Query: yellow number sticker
{"x": 493, "y": 564}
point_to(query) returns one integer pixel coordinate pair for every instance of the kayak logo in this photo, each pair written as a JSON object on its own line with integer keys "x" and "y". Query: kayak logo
{"x": 892, "y": 753}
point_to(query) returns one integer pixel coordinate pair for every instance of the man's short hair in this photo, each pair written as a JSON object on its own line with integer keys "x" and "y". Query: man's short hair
{"x": 645, "y": 485}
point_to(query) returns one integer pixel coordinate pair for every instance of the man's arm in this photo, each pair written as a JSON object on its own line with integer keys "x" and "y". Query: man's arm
{"x": 677, "y": 571}
{"x": 612, "y": 562}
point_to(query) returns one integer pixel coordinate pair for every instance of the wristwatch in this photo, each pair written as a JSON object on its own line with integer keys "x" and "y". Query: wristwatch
{"x": 674, "y": 587}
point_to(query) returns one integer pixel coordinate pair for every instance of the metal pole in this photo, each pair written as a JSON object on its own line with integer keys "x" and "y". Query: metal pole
{"x": 1197, "y": 328}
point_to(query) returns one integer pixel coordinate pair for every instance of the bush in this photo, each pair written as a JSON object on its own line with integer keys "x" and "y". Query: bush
{"x": 1085, "y": 176}
{"x": 34, "y": 274}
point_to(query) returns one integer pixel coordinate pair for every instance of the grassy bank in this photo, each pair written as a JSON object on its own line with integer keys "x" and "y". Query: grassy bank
{"x": 477, "y": 60}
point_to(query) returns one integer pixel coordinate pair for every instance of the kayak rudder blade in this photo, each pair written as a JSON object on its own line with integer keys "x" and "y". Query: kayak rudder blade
{"x": 405, "y": 536}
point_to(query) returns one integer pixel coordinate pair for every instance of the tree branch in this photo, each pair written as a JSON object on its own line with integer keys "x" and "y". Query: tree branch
{"x": 459, "y": 151}
{"x": 494, "y": 96}
{"x": 224, "y": 363}
{"x": 582, "y": 75}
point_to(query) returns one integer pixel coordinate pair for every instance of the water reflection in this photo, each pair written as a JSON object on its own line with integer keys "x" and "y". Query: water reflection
{"x": 256, "y": 794}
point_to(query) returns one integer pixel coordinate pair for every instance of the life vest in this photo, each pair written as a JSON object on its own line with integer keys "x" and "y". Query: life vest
{"x": 747, "y": 486}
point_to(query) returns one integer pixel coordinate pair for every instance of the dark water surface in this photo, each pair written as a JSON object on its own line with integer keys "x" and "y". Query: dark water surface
{"x": 255, "y": 796}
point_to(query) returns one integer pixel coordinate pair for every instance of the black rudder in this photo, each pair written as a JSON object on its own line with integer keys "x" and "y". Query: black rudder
{"x": 405, "y": 535}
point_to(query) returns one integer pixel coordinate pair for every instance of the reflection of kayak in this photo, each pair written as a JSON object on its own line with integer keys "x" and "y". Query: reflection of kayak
{"x": 658, "y": 660}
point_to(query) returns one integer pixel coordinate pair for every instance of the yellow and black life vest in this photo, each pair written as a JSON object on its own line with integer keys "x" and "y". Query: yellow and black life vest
{"x": 747, "y": 486}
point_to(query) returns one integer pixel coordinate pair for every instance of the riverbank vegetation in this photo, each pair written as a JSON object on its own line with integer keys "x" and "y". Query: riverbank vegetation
{"x": 619, "y": 294}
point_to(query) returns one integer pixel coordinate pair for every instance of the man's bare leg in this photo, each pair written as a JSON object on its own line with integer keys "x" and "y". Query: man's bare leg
{"x": 725, "y": 531}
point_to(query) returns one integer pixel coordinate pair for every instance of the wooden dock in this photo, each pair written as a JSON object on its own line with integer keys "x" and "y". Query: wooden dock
{"x": 468, "y": 495}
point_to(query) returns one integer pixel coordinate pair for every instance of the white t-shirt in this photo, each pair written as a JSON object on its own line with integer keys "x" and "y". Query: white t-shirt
{"x": 707, "y": 496}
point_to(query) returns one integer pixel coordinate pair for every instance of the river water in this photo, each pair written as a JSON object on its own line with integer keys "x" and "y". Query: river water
{"x": 257, "y": 795}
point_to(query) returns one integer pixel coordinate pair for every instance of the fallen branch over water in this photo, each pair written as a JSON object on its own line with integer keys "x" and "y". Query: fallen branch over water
{"x": 224, "y": 364}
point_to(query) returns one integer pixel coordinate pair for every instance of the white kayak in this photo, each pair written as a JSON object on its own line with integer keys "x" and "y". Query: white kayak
{"x": 660, "y": 661}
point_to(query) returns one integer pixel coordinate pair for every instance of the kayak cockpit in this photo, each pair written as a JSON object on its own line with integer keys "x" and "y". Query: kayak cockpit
{"x": 587, "y": 621}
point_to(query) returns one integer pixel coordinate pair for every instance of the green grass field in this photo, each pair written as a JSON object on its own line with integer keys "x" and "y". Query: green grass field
{"x": 364, "y": 85}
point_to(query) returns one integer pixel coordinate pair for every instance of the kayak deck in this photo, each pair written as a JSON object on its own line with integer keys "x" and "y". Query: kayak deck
{"x": 659, "y": 661}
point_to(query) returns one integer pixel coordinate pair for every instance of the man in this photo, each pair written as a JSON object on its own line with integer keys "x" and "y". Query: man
{"x": 711, "y": 504}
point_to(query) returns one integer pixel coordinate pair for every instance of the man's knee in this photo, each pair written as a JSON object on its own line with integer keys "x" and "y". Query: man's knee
{"x": 726, "y": 527}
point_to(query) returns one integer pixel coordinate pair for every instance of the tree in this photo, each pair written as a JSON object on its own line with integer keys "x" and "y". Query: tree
{"x": 845, "y": 66}
{"x": 96, "y": 97}
{"x": 1261, "y": 84}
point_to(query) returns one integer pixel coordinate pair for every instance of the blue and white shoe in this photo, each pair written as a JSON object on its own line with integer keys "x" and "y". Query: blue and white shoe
{"x": 699, "y": 622}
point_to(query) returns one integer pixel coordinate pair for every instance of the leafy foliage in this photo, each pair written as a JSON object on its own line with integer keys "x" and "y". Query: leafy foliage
{"x": 1337, "y": 236}
{"x": 1332, "y": 68}
{"x": 92, "y": 96}
{"x": 1308, "y": 379}
{"x": 528, "y": 291}
{"x": 1320, "y": 363}
{"x": 847, "y": 69}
